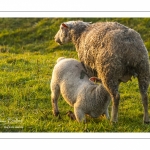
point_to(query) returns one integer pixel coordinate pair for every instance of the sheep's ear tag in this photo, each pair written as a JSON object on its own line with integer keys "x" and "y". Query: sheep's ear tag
{"x": 64, "y": 25}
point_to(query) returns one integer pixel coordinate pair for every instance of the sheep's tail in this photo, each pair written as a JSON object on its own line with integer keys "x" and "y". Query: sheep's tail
{"x": 60, "y": 58}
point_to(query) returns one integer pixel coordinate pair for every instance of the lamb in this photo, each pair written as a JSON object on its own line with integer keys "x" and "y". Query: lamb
{"x": 70, "y": 79}
{"x": 112, "y": 52}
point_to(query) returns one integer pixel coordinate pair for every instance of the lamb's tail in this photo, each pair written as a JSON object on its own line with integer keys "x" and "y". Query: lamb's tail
{"x": 60, "y": 58}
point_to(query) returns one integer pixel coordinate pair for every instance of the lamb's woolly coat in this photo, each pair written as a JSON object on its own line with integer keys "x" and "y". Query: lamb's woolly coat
{"x": 111, "y": 51}
{"x": 70, "y": 79}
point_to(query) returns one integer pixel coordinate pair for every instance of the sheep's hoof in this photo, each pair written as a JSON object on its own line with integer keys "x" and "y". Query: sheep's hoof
{"x": 86, "y": 130}
{"x": 56, "y": 114}
{"x": 146, "y": 122}
{"x": 113, "y": 122}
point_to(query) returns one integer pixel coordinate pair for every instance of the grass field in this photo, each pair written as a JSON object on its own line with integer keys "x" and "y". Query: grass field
{"x": 27, "y": 56}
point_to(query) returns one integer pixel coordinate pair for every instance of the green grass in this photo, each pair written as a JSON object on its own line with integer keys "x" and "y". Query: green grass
{"x": 28, "y": 54}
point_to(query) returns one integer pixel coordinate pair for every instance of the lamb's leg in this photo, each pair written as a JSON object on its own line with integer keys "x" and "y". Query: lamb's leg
{"x": 143, "y": 86}
{"x": 55, "y": 92}
{"x": 107, "y": 113}
{"x": 79, "y": 114}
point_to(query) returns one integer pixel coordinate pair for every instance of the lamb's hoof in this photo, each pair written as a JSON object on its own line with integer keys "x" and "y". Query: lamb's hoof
{"x": 105, "y": 116}
{"x": 57, "y": 114}
{"x": 71, "y": 115}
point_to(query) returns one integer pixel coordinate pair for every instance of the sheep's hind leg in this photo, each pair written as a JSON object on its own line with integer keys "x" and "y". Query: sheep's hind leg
{"x": 143, "y": 86}
{"x": 112, "y": 88}
{"x": 55, "y": 92}
{"x": 115, "y": 105}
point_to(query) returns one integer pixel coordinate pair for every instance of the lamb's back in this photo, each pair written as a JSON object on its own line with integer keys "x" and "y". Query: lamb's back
{"x": 71, "y": 77}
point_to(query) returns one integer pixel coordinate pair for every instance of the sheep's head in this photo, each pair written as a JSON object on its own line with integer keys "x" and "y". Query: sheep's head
{"x": 64, "y": 33}
{"x": 63, "y": 36}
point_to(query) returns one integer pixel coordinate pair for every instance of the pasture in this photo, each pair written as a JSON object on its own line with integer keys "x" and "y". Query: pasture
{"x": 28, "y": 54}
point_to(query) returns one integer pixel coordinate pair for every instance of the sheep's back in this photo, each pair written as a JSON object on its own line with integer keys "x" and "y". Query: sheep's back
{"x": 111, "y": 43}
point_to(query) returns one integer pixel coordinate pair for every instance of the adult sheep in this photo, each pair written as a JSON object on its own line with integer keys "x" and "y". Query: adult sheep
{"x": 70, "y": 79}
{"x": 112, "y": 52}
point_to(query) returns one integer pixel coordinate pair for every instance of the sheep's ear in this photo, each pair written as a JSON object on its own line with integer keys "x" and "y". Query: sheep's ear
{"x": 64, "y": 25}
{"x": 95, "y": 79}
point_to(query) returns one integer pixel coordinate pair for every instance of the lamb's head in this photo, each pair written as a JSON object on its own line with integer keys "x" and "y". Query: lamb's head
{"x": 64, "y": 33}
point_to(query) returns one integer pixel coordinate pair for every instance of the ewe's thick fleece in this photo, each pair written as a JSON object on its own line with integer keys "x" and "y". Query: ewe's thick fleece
{"x": 114, "y": 53}
{"x": 111, "y": 50}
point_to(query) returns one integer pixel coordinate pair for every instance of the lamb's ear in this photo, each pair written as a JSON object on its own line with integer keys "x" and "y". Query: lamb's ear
{"x": 95, "y": 79}
{"x": 64, "y": 25}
